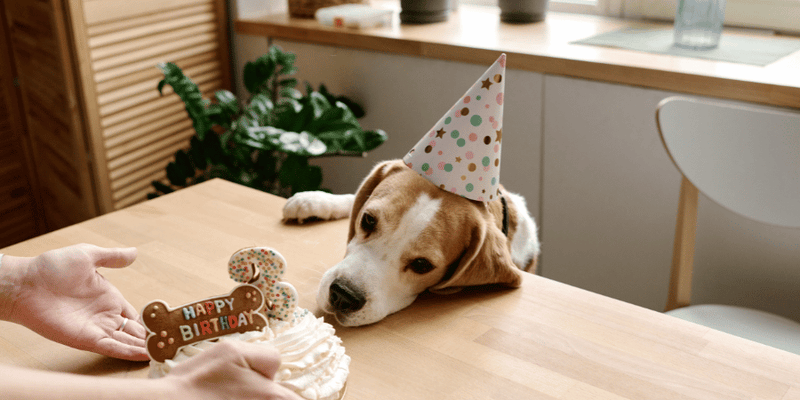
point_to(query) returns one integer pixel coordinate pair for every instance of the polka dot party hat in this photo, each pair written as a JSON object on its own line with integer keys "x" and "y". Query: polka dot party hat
{"x": 461, "y": 153}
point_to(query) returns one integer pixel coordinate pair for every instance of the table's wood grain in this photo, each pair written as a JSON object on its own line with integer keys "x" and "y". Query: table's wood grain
{"x": 544, "y": 340}
{"x": 475, "y": 34}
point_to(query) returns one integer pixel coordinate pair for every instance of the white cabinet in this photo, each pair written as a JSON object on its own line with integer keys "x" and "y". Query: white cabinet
{"x": 609, "y": 191}
{"x": 610, "y": 198}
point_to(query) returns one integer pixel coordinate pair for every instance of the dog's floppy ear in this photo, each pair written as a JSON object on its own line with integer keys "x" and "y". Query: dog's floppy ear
{"x": 379, "y": 173}
{"x": 485, "y": 261}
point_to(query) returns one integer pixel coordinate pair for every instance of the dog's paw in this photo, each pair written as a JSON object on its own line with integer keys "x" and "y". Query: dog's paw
{"x": 305, "y": 206}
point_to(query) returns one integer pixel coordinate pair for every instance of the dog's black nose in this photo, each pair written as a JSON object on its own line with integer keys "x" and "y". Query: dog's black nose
{"x": 344, "y": 299}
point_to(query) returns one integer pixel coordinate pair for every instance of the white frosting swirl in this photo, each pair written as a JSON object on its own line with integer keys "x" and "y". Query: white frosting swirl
{"x": 313, "y": 363}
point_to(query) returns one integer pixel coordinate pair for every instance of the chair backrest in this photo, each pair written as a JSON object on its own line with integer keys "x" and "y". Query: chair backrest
{"x": 746, "y": 159}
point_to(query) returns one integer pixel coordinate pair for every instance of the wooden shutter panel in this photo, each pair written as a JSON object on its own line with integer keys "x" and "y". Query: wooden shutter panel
{"x": 19, "y": 215}
{"x": 136, "y": 131}
{"x": 50, "y": 103}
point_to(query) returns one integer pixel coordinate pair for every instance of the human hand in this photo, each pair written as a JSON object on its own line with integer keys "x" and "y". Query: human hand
{"x": 231, "y": 370}
{"x": 61, "y": 296}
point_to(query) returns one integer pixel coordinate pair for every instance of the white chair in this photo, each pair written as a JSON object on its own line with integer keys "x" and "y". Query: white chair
{"x": 747, "y": 160}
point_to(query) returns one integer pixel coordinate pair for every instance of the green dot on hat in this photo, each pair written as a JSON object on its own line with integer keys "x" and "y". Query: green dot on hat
{"x": 448, "y": 167}
{"x": 425, "y": 167}
{"x": 447, "y": 120}
{"x": 469, "y": 187}
{"x": 454, "y": 134}
{"x": 476, "y": 120}
{"x": 485, "y": 161}
{"x": 461, "y": 142}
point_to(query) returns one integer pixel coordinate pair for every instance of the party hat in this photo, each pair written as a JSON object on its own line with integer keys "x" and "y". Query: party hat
{"x": 461, "y": 153}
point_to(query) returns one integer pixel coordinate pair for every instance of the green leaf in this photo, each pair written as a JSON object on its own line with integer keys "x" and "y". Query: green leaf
{"x": 213, "y": 149}
{"x": 161, "y": 84}
{"x": 285, "y": 59}
{"x": 364, "y": 141}
{"x": 373, "y": 139}
{"x": 338, "y": 118}
{"x": 257, "y": 73}
{"x": 295, "y": 119}
{"x": 356, "y": 108}
{"x": 313, "y": 178}
{"x": 303, "y": 144}
{"x": 227, "y": 102}
{"x": 189, "y": 93}
{"x": 197, "y": 153}
{"x": 175, "y": 175}
{"x": 319, "y": 104}
{"x": 290, "y": 70}
{"x": 184, "y": 163}
{"x": 290, "y": 169}
{"x": 160, "y": 187}
{"x": 290, "y": 93}
{"x": 260, "y": 109}
{"x": 324, "y": 91}
{"x": 291, "y": 82}
{"x": 261, "y": 137}
{"x": 266, "y": 167}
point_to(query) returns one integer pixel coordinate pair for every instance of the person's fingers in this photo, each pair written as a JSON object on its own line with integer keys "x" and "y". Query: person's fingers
{"x": 278, "y": 392}
{"x": 263, "y": 359}
{"x": 134, "y": 327}
{"x": 126, "y": 338}
{"x": 114, "y": 348}
{"x": 130, "y": 313}
{"x": 114, "y": 257}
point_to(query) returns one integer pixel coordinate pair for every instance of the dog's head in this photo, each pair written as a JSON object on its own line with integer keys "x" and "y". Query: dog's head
{"x": 407, "y": 236}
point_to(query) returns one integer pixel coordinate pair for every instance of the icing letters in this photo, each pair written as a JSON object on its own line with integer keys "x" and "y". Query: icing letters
{"x": 202, "y": 320}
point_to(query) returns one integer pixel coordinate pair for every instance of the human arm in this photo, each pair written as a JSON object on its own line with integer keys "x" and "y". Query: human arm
{"x": 230, "y": 370}
{"x": 61, "y": 296}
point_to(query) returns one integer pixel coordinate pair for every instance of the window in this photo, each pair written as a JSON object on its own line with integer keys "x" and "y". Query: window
{"x": 576, "y": 6}
{"x": 778, "y": 15}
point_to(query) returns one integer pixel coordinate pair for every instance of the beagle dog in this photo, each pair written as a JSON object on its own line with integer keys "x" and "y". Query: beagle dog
{"x": 407, "y": 235}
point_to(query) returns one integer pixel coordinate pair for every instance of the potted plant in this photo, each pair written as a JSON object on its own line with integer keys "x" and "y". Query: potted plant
{"x": 424, "y": 11}
{"x": 265, "y": 142}
{"x": 522, "y": 11}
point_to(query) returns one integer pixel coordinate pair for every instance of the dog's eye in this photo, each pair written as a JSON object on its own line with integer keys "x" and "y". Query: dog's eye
{"x": 368, "y": 223}
{"x": 420, "y": 266}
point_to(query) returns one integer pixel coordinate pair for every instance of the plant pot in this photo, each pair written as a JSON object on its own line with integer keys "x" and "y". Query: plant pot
{"x": 424, "y": 11}
{"x": 522, "y": 11}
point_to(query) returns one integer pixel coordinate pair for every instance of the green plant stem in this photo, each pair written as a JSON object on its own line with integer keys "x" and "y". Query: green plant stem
{"x": 340, "y": 153}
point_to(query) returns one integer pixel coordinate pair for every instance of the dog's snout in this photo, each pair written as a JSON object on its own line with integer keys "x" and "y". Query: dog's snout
{"x": 344, "y": 299}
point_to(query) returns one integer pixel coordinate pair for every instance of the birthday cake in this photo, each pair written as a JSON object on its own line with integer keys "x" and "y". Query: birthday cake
{"x": 313, "y": 361}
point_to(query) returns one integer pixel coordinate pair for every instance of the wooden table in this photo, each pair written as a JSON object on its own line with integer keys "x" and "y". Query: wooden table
{"x": 543, "y": 340}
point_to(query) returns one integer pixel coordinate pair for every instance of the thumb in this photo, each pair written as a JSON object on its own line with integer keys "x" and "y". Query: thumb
{"x": 114, "y": 257}
{"x": 265, "y": 361}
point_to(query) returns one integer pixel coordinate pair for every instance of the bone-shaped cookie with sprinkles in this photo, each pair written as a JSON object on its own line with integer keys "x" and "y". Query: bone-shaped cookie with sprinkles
{"x": 264, "y": 268}
{"x": 172, "y": 328}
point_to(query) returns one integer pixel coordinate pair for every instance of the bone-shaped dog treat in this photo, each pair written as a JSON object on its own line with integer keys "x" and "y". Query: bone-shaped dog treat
{"x": 264, "y": 267}
{"x": 172, "y": 328}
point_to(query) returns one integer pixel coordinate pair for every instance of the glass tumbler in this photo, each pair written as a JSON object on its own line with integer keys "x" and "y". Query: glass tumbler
{"x": 698, "y": 23}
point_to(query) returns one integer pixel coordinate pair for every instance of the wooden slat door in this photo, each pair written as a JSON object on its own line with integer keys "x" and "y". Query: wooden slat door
{"x": 136, "y": 131}
{"x": 50, "y": 105}
{"x": 19, "y": 216}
